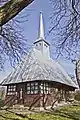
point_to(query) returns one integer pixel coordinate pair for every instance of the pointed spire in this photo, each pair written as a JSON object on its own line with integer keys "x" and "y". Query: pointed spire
{"x": 41, "y": 27}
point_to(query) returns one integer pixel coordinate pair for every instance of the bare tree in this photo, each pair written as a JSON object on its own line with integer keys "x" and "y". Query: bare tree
{"x": 12, "y": 42}
{"x": 65, "y": 27}
{"x": 77, "y": 72}
{"x": 11, "y": 8}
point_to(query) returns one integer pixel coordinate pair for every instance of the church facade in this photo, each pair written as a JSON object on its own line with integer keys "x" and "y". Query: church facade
{"x": 38, "y": 81}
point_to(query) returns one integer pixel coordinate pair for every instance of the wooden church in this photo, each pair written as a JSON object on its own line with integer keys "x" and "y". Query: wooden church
{"x": 38, "y": 80}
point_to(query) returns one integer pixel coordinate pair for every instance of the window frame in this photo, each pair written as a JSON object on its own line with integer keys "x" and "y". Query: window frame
{"x": 44, "y": 88}
{"x": 11, "y": 89}
{"x": 33, "y": 88}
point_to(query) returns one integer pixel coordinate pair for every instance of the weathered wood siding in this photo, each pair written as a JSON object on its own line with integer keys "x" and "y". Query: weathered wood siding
{"x": 57, "y": 91}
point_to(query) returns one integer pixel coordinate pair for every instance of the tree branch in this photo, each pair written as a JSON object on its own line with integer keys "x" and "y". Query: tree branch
{"x": 10, "y": 9}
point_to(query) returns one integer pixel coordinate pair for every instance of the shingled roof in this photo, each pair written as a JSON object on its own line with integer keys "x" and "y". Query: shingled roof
{"x": 38, "y": 65}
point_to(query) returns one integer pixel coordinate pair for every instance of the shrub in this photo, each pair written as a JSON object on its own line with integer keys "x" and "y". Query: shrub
{"x": 77, "y": 95}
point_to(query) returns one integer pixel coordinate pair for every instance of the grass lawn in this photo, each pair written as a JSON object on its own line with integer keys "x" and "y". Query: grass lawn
{"x": 65, "y": 113}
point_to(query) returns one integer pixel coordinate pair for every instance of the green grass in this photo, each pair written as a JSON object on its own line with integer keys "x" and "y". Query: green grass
{"x": 65, "y": 113}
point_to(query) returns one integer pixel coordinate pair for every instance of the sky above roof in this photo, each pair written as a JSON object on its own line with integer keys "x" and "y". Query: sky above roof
{"x": 31, "y": 27}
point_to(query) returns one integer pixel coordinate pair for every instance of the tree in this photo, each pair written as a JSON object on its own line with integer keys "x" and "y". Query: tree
{"x": 11, "y": 8}
{"x": 65, "y": 27}
{"x": 12, "y": 42}
{"x": 77, "y": 72}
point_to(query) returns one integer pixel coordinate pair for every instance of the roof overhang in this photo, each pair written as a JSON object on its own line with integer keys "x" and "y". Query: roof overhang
{"x": 41, "y": 40}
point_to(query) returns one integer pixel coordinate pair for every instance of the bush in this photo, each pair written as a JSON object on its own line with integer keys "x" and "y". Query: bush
{"x": 77, "y": 95}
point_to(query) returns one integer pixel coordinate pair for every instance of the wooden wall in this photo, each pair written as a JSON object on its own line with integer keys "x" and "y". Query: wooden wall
{"x": 57, "y": 92}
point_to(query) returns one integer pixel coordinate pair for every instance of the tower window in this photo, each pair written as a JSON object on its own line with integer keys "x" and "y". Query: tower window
{"x": 36, "y": 44}
{"x": 39, "y": 43}
{"x": 45, "y": 45}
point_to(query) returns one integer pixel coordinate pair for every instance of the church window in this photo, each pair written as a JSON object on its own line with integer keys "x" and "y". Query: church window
{"x": 41, "y": 84}
{"x": 36, "y": 91}
{"x": 56, "y": 89}
{"x": 42, "y": 91}
{"x": 32, "y": 88}
{"x": 11, "y": 89}
{"x": 28, "y": 84}
{"x": 45, "y": 45}
{"x": 40, "y": 44}
{"x": 36, "y": 44}
{"x": 32, "y": 92}
{"x": 28, "y": 92}
{"x": 41, "y": 87}
{"x": 36, "y": 87}
{"x": 36, "y": 83}
{"x": 32, "y": 84}
{"x": 28, "y": 88}
{"x": 44, "y": 88}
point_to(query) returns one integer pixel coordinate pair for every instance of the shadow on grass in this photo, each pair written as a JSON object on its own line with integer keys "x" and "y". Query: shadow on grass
{"x": 66, "y": 114}
{"x": 18, "y": 115}
{"x": 72, "y": 115}
{"x": 8, "y": 118}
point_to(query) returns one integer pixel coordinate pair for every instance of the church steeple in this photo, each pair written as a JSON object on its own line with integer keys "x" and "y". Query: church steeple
{"x": 41, "y": 44}
{"x": 41, "y": 27}
{"x": 41, "y": 31}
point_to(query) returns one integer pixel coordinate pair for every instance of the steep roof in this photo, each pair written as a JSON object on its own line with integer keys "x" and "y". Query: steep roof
{"x": 36, "y": 67}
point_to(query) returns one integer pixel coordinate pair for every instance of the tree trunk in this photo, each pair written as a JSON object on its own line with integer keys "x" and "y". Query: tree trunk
{"x": 11, "y": 9}
{"x": 77, "y": 72}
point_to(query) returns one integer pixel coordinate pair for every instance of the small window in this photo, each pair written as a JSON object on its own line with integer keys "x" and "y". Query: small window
{"x": 28, "y": 84}
{"x": 32, "y": 88}
{"x": 41, "y": 84}
{"x": 45, "y": 45}
{"x": 41, "y": 87}
{"x": 36, "y": 91}
{"x": 36, "y": 44}
{"x": 40, "y": 44}
{"x": 32, "y": 92}
{"x": 11, "y": 89}
{"x": 45, "y": 88}
{"x": 28, "y": 87}
{"x": 36, "y": 83}
{"x": 28, "y": 92}
{"x": 42, "y": 91}
{"x": 36, "y": 87}
{"x": 46, "y": 84}
{"x": 32, "y": 84}
{"x": 11, "y": 93}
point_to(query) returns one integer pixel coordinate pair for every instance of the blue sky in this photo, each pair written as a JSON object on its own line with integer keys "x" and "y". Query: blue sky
{"x": 31, "y": 31}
